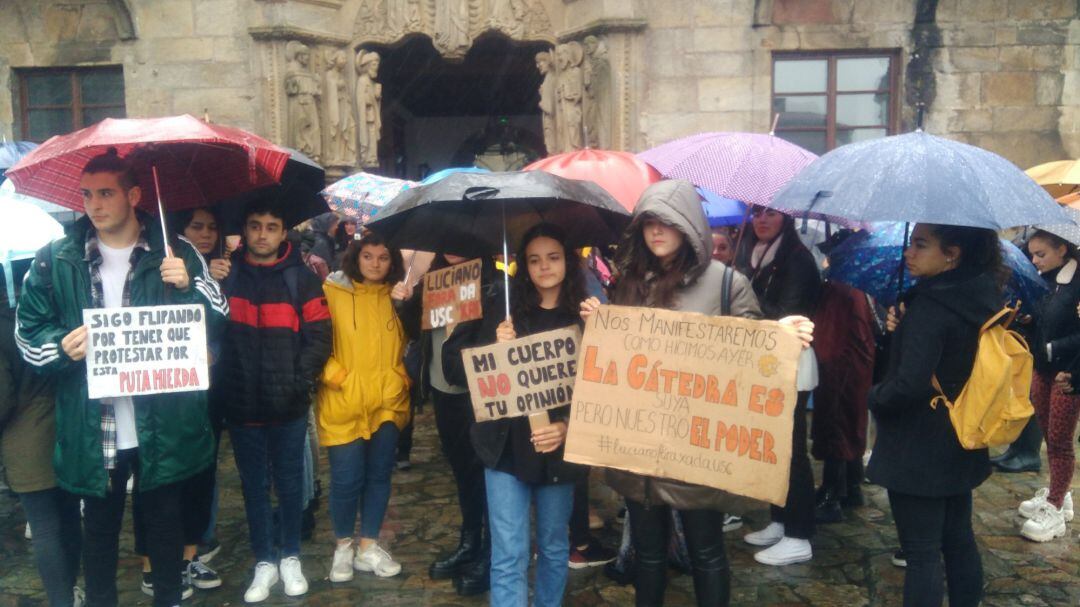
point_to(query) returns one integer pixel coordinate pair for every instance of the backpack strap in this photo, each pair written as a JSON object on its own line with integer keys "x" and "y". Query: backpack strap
{"x": 725, "y": 291}
{"x": 291, "y": 275}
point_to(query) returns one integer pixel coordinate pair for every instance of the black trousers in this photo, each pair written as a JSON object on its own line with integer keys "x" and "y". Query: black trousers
{"x": 102, "y": 517}
{"x": 929, "y": 528}
{"x": 454, "y": 418}
{"x": 798, "y": 514}
{"x": 579, "y": 514}
{"x": 197, "y": 493}
{"x": 650, "y": 531}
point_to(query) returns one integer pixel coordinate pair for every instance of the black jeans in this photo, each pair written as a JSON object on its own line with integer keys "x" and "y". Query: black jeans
{"x": 650, "y": 532}
{"x": 798, "y": 514}
{"x": 102, "y": 516}
{"x": 930, "y": 527}
{"x": 53, "y": 515}
{"x": 454, "y": 418}
{"x": 579, "y": 514}
{"x": 198, "y": 499}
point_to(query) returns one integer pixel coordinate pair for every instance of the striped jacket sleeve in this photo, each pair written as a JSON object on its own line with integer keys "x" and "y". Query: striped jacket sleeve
{"x": 38, "y": 330}
{"x": 205, "y": 289}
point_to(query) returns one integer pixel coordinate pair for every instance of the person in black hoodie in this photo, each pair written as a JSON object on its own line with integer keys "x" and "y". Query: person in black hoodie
{"x": 275, "y": 348}
{"x": 1056, "y": 344}
{"x": 522, "y": 465}
{"x": 786, "y": 280}
{"x": 443, "y": 377}
{"x": 918, "y": 457}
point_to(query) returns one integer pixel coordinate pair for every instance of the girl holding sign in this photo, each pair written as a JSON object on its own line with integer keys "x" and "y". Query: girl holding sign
{"x": 523, "y": 465}
{"x": 665, "y": 262}
{"x": 363, "y": 402}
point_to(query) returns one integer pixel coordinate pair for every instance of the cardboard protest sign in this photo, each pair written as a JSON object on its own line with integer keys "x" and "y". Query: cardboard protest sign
{"x": 452, "y": 295}
{"x": 706, "y": 400}
{"x": 145, "y": 350}
{"x": 525, "y": 376}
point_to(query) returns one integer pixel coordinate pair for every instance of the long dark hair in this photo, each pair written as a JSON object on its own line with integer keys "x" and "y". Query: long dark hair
{"x": 643, "y": 280}
{"x": 1056, "y": 241}
{"x": 980, "y": 250}
{"x": 789, "y": 240}
{"x": 351, "y": 266}
{"x": 180, "y": 220}
{"x": 524, "y": 298}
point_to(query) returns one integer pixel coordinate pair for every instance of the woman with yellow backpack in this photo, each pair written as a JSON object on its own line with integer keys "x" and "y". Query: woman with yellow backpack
{"x": 918, "y": 456}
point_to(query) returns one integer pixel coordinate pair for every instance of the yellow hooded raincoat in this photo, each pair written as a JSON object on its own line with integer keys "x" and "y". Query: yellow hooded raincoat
{"x": 364, "y": 383}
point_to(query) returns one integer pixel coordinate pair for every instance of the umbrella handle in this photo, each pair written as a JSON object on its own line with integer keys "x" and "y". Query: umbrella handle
{"x": 161, "y": 214}
{"x": 506, "y": 263}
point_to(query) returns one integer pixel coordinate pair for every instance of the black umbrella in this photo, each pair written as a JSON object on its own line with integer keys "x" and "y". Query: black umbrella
{"x": 298, "y": 193}
{"x": 475, "y": 214}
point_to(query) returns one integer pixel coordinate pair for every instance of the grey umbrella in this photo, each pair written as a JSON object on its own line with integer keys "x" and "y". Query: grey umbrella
{"x": 475, "y": 214}
{"x": 1068, "y": 231}
{"x": 920, "y": 178}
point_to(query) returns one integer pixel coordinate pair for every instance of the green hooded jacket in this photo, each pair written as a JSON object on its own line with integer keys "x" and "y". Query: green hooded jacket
{"x": 175, "y": 440}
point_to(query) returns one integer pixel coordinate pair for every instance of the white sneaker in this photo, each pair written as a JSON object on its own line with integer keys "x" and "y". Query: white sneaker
{"x": 342, "y": 569}
{"x": 1046, "y": 524}
{"x": 377, "y": 561}
{"x": 1029, "y": 507}
{"x": 768, "y": 536}
{"x": 78, "y": 597}
{"x": 293, "y": 577}
{"x": 787, "y": 551}
{"x": 732, "y": 522}
{"x": 266, "y": 575}
{"x": 28, "y": 534}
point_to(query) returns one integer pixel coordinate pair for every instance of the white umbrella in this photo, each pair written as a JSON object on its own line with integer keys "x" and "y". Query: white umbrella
{"x": 25, "y": 229}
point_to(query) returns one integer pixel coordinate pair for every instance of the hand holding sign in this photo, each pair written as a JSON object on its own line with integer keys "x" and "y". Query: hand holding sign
{"x": 549, "y": 438}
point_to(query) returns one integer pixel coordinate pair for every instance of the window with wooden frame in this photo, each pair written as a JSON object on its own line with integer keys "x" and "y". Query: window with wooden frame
{"x": 56, "y": 101}
{"x": 828, "y": 99}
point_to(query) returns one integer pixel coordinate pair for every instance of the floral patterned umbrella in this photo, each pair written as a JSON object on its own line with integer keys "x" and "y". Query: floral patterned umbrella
{"x": 362, "y": 195}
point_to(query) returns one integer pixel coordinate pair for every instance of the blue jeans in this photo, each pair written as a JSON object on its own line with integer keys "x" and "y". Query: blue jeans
{"x": 260, "y": 451}
{"x": 54, "y": 520}
{"x": 508, "y": 515}
{"x": 360, "y": 473}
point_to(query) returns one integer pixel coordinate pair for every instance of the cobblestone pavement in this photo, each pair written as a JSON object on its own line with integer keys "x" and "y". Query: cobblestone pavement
{"x": 851, "y": 563}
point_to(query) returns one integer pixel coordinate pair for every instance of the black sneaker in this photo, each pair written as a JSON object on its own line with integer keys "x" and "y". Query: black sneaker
{"x": 185, "y": 588}
{"x": 207, "y": 552}
{"x": 732, "y": 522}
{"x": 899, "y": 558}
{"x": 593, "y": 555}
{"x": 404, "y": 465}
{"x": 201, "y": 576}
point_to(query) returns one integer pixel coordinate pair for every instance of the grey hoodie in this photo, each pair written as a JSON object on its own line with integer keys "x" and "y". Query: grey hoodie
{"x": 676, "y": 203}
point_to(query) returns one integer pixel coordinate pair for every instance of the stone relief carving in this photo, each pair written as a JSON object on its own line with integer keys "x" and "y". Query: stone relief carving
{"x": 547, "y": 100}
{"x": 570, "y": 92}
{"x": 597, "y": 81}
{"x": 340, "y": 126}
{"x": 368, "y": 107}
{"x": 303, "y": 91}
{"x": 451, "y": 37}
{"x": 452, "y": 25}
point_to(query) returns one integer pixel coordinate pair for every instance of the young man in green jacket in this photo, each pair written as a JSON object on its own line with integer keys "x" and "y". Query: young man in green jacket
{"x": 116, "y": 256}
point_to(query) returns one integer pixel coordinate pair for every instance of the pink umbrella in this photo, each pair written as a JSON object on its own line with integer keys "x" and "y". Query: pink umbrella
{"x": 750, "y": 167}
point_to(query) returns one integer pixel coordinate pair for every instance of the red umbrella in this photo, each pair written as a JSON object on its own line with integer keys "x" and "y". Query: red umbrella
{"x": 197, "y": 163}
{"x": 620, "y": 173}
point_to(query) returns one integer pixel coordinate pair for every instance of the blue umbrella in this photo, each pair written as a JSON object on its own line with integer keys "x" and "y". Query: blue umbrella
{"x": 919, "y": 178}
{"x": 721, "y": 211}
{"x": 870, "y": 261}
{"x": 438, "y": 175}
{"x": 12, "y": 151}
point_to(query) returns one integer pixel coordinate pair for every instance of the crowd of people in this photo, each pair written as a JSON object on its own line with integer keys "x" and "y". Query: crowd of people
{"x": 316, "y": 342}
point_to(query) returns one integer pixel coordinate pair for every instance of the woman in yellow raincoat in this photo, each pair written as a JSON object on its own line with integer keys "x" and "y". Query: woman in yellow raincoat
{"x": 363, "y": 402}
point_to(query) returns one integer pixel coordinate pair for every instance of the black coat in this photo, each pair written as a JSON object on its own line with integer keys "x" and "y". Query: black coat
{"x": 917, "y": 451}
{"x": 494, "y": 439}
{"x": 277, "y": 342}
{"x": 790, "y": 284}
{"x": 1056, "y": 321}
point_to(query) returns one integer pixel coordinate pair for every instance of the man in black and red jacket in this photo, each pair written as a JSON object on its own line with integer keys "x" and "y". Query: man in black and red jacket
{"x": 276, "y": 345}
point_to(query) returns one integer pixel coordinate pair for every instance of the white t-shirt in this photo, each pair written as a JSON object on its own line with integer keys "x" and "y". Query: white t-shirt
{"x": 115, "y": 264}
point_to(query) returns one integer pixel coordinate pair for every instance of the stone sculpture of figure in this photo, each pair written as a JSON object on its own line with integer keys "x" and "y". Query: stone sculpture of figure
{"x": 597, "y": 71}
{"x": 570, "y": 93}
{"x": 339, "y": 118}
{"x": 452, "y": 27}
{"x": 547, "y": 101}
{"x": 303, "y": 90}
{"x": 368, "y": 107}
{"x": 509, "y": 16}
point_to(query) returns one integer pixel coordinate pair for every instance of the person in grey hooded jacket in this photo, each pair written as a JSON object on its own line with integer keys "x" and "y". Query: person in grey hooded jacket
{"x": 665, "y": 261}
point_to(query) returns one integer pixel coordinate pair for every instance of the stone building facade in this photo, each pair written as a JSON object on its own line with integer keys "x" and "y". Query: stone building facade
{"x": 623, "y": 74}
